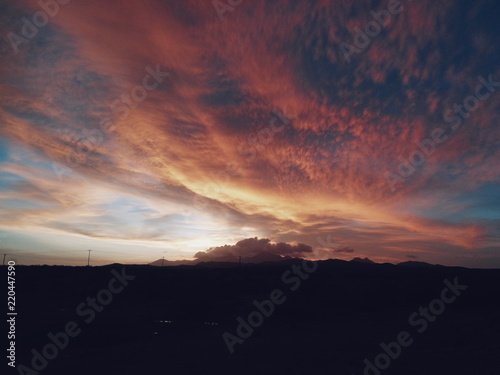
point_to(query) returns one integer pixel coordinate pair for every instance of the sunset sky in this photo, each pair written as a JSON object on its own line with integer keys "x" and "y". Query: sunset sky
{"x": 149, "y": 129}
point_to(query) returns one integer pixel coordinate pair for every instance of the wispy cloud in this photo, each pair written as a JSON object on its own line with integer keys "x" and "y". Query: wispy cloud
{"x": 177, "y": 165}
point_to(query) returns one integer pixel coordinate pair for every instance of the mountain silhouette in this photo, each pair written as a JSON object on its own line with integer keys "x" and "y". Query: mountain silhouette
{"x": 255, "y": 259}
{"x": 412, "y": 263}
{"x": 362, "y": 260}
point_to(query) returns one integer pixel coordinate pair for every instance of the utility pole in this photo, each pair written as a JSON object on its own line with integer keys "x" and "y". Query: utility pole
{"x": 88, "y": 260}
{"x": 3, "y": 264}
{"x": 162, "y": 261}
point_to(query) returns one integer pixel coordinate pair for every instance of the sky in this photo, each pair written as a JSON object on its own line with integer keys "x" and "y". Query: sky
{"x": 149, "y": 129}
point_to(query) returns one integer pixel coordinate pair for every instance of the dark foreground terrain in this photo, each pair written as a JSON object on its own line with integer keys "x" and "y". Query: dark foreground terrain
{"x": 171, "y": 320}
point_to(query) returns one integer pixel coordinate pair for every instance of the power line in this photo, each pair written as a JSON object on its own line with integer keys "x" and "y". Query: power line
{"x": 71, "y": 256}
{"x": 67, "y": 252}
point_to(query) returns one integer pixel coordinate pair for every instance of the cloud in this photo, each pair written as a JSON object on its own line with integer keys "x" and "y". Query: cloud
{"x": 346, "y": 250}
{"x": 253, "y": 248}
{"x": 184, "y": 150}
